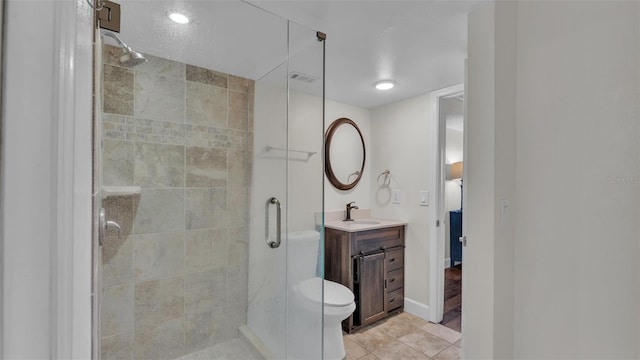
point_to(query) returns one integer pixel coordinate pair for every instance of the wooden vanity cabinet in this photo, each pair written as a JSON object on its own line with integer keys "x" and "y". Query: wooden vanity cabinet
{"x": 371, "y": 264}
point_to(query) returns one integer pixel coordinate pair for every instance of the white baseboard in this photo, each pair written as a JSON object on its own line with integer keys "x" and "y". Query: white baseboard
{"x": 416, "y": 308}
{"x": 447, "y": 263}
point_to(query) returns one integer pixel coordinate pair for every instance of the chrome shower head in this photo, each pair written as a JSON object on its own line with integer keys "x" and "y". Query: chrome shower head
{"x": 129, "y": 57}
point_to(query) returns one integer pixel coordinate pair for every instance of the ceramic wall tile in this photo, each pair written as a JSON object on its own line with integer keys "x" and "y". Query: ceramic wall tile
{"x": 116, "y": 312}
{"x": 251, "y": 105}
{"x": 117, "y": 248}
{"x": 118, "y": 90}
{"x": 205, "y": 290}
{"x": 238, "y": 168}
{"x": 117, "y": 261}
{"x": 206, "y": 249}
{"x": 158, "y": 255}
{"x": 118, "y": 161}
{"x": 162, "y": 341}
{"x": 163, "y": 67}
{"x": 238, "y": 110}
{"x": 159, "y": 165}
{"x": 160, "y": 210}
{"x": 239, "y": 84}
{"x": 117, "y": 347}
{"x": 206, "y": 105}
{"x": 206, "y": 76}
{"x": 206, "y": 167}
{"x": 238, "y": 245}
{"x": 111, "y": 54}
{"x": 200, "y": 331}
{"x": 206, "y": 208}
{"x": 238, "y": 203}
{"x": 175, "y": 281}
{"x": 237, "y": 285}
{"x": 232, "y": 316}
{"x": 159, "y": 300}
{"x": 207, "y": 329}
{"x": 159, "y": 97}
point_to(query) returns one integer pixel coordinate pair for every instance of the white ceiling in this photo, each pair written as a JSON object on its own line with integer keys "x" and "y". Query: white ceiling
{"x": 421, "y": 45}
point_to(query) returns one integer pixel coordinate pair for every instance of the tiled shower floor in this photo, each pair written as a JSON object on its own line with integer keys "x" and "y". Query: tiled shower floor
{"x": 228, "y": 350}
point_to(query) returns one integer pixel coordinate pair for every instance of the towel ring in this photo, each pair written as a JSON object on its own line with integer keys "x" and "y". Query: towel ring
{"x": 386, "y": 181}
{"x": 357, "y": 173}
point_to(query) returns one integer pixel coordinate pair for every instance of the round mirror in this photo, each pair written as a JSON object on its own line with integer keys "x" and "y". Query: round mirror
{"x": 344, "y": 154}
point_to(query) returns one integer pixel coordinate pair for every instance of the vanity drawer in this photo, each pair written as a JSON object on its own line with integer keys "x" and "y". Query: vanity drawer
{"x": 394, "y": 258}
{"x": 395, "y": 299}
{"x": 378, "y": 239}
{"x": 395, "y": 279}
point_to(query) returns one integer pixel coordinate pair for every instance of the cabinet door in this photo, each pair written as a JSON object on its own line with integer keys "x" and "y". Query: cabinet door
{"x": 372, "y": 291}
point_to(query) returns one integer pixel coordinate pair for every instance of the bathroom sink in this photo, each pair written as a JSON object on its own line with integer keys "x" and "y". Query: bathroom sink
{"x": 365, "y": 222}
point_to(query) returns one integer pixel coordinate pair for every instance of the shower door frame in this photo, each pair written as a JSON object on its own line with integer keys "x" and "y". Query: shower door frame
{"x": 71, "y": 252}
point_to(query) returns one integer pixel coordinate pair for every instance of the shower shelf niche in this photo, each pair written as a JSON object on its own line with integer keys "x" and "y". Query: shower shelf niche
{"x": 108, "y": 191}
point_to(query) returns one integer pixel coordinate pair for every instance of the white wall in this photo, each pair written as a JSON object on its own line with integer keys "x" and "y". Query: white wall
{"x": 46, "y": 189}
{"x": 399, "y": 134}
{"x": 478, "y": 283}
{"x": 305, "y": 115}
{"x": 577, "y": 122}
{"x": 28, "y": 177}
{"x": 553, "y": 131}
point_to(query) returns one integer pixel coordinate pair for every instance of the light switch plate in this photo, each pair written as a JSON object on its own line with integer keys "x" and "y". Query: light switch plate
{"x": 424, "y": 198}
{"x": 395, "y": 196}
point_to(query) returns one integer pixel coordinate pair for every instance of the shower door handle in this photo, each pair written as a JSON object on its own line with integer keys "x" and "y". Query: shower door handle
{"x": 274, "y": 244}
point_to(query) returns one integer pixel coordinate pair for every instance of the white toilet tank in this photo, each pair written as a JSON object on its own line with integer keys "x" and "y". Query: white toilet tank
{"x": 302, "y": 255}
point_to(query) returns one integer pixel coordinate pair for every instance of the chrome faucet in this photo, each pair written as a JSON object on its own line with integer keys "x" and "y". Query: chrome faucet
{"x": 349, "y": 208}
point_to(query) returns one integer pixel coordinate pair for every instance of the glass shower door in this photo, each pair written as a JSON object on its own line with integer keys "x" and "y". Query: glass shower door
{"x": 191, "y": 147}
{"x": 287, "y": 166}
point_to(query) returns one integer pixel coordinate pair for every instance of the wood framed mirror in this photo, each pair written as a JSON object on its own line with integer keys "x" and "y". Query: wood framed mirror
{"x": 344, "y": 154}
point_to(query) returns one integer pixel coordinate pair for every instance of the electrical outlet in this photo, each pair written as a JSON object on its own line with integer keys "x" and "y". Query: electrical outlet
{"x": 395, "y": 196}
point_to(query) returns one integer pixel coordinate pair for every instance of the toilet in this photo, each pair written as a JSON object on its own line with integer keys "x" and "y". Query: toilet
{"x": 307, "y": 292}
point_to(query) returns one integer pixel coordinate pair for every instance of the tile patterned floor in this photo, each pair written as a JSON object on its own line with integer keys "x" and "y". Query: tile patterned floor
{"x": 403, "y": 336}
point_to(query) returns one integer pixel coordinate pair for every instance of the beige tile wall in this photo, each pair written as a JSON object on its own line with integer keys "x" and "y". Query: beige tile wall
{"x": 175, "y": 280}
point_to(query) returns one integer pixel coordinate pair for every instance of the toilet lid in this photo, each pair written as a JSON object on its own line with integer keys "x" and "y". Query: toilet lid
{"x": 334, "y": 294}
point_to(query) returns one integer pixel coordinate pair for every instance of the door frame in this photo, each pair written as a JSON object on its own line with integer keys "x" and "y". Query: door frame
{"x": 71, "y": 254}
{"x": 437, "y": 214}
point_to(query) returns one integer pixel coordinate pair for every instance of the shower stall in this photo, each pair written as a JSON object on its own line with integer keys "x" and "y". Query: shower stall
{"x": 207, "y": 158}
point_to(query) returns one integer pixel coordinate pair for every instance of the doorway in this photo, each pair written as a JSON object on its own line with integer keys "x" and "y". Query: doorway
{"x": 452, "y": 115}
{"x": 445, "y": 256}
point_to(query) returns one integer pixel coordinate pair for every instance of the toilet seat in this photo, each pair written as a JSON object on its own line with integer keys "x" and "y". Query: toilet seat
{"x": 335, "y": 295}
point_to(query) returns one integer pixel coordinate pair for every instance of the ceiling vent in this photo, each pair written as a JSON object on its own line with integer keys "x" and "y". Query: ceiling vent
{"x": 302, "y": 77}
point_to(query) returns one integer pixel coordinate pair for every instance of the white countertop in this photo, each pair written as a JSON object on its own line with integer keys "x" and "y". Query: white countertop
{"x": 362, "y": 224}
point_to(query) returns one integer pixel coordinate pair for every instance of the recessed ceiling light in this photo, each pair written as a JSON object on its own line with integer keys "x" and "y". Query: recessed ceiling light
{"x": 179, "y": 18}
{"x": 384, "y": 85}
